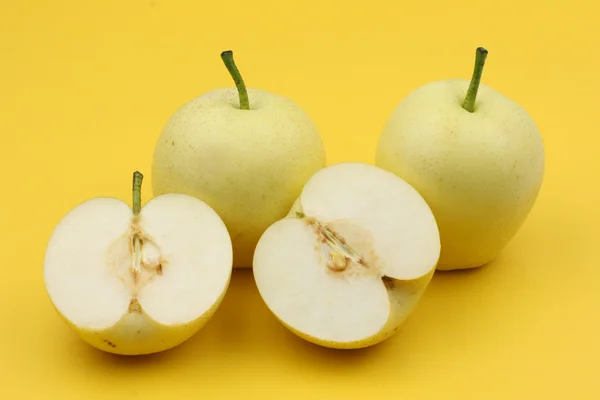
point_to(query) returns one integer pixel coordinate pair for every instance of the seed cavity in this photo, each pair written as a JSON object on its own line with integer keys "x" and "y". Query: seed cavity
{"x": 135, "y": 259}
{"x": 146, "y": 261}
{"x": 341, "y": 255}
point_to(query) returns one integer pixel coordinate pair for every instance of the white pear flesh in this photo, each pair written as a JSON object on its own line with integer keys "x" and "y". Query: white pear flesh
{"x": 133, "y": 297}
{"x": 352, "y": 260}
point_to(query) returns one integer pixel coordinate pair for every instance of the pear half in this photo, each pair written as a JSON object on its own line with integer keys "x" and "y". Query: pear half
{"x": 142, "y": 280}
{"x": 353, "y": 258}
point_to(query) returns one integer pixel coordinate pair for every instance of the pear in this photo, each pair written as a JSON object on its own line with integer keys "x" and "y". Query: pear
{"x": 476, "y": 157}
{"x": 138, "y": 280}
{"x": 245, "y": 152}
{"x": 351, "y": 261}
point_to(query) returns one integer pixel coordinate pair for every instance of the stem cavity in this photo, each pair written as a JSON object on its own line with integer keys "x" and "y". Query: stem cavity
{"x": 469, "y": 102}
{"x": 227, "y": 57}
{"x": 137, "y": 192}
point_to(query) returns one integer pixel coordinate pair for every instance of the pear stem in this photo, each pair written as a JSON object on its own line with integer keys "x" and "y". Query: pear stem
{"x": 227, "y": 57}
{"x": 137, "y": 192}
{"x": 469, "y": 102}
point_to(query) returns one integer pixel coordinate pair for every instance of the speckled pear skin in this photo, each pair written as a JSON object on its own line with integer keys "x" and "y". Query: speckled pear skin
{"x": 480, "y": 172}
{"x": 249, "y": 165}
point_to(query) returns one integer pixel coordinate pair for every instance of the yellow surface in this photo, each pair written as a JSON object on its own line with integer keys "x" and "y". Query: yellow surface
{"x": 87, "y": 86}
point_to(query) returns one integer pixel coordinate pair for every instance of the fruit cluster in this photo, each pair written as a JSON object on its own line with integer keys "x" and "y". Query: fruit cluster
{"x": 341, "y": 254}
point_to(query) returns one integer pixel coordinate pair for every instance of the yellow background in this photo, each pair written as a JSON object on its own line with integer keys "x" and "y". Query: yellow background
{"x": 85, "y": 88}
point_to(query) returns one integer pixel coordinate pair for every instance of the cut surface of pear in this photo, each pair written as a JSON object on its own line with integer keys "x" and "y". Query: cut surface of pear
{"x": 138, "y": 283}
{"x": 353, "y": 258}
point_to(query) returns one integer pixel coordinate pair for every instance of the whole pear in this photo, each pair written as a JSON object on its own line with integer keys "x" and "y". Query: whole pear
{"x": 245, "y": 152}
{"x": 476, "y": 157}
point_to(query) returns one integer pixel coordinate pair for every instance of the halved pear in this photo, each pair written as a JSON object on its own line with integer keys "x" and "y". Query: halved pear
{"x": 142, "y": 280}
{"x": 353, "y": 258}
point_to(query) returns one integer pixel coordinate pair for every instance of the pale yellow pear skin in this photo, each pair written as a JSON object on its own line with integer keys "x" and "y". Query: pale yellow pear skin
{"x": 480, "y": 172}
{"x": 248, "y": 165}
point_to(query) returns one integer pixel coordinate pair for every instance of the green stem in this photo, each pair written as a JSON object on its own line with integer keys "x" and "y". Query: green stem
{"x": 469, "y": 102}
{"x": 137, "y": 192}
{"x": 227, "y": 57}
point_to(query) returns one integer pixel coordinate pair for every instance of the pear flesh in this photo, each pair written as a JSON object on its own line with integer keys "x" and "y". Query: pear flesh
{"x": 352, "y": 260}
{"x": 138, "y": 284}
